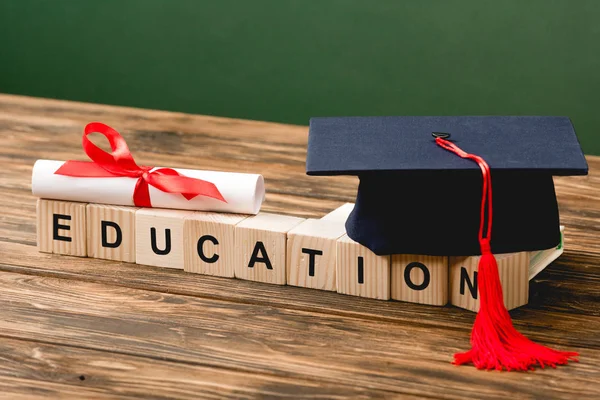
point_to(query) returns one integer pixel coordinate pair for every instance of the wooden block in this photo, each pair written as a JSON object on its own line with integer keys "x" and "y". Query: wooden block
{"x": 360, "y": 272}
{"x": 260, "y": 247}
{"x": 514, "y": 273}
{"x": 61, "y": 227}
{"x": 159, "y": 237}
{"x": 311, "y": 254}
{"x": 111, "y": 232}
{"x": 340, "y": 214}
{"x": 420, "y": 279}
{"x": 209, "y": 243}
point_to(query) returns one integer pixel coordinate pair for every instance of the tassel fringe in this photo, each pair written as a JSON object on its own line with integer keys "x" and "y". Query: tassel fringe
{"x": 495, "y": 343}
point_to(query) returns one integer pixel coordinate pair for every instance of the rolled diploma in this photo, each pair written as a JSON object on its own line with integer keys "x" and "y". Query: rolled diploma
{"x": 244, "y": 193}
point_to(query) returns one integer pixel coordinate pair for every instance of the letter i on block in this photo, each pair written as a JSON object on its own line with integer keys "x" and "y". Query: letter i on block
{"x": 311, "y": 254}
{"x": 260, "y": 245}
{"x": 420, "y": 279}
{"x": 209, "y": 243}
{"x": 159, "y": 237}
{"x": 360, "y": 272}
{"x": 61, "y": 227}
{"x": 514, "y": 276}
{"x": 111, "y": 232}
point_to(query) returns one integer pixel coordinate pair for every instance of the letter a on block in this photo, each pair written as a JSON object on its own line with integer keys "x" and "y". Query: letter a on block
{"x": 260, "y": 245}
{"x": 159, "y": 237}
{"x": 61, "y": 227}
{"x": 360, "y": 272}
{"x": 420, "y": 279}
{"x": 514, "y": 276}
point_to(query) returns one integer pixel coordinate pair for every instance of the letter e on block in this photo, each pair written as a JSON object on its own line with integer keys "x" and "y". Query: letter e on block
{"x": 360, "y": 272}
{"x": 311, "y": 254}
{"x": 209, "y": 243}
{"x": 61, "y": 227}
{"x": 420, "y": 279}
{"x": 514, "y": 276}
{"x": 159, "y": 237}
{"x": 260, "y": 246}
{"x": 111, "y": 232}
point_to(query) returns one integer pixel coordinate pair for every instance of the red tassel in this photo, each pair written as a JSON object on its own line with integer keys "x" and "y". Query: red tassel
{"x": 495, "y": 343}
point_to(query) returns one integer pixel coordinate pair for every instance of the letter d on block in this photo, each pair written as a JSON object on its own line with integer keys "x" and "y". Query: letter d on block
{"x": 111, "y": 232}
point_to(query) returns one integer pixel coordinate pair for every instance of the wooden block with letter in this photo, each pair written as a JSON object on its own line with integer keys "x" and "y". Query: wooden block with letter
{"x": 260, "y": 247}
{"x": 311, "y": 254}
{"x": 209, "y": 243}
{"x": 61, "y": 227}
{"x": 111, "y": 232}
{"x": 420, "y": 279}
{"x": 360, "y": 272}
{"x": 340, "y": 214}
{"x": 514, "y": 275}
{"x": 159, "y": 237}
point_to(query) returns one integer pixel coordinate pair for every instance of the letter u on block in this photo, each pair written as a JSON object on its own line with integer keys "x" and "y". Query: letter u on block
{"x": 159, "y": 237}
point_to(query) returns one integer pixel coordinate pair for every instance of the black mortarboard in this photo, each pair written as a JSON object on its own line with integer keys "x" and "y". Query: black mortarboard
{"x": 416, "y": 198}
{"x": 424, "y": 195}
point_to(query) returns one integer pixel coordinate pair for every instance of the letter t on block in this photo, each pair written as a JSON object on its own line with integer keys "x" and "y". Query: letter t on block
{"x": 61, "y": 227}
{"x": 360, "y": 272}
{"x": 311, "y": 254}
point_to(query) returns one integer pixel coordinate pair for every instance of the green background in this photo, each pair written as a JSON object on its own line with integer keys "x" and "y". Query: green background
{"x": 284, "y": 60}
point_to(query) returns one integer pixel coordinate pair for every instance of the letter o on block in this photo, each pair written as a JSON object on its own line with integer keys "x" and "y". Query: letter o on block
{"x": 420, "y": 279}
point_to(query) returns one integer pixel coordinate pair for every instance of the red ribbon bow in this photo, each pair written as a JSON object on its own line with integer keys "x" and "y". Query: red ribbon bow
{"x": 120, "y": 163}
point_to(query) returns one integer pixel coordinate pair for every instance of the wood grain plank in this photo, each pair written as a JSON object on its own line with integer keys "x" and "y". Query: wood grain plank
{"x": 32, "y": 369}
{"x": 288, "y": 343}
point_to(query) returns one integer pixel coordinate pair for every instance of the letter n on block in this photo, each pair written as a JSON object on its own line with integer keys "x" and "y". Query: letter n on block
{"x": 209, "y": 243}
{"x": 311, "y": 254}
{"x": 111, "y": 232}
{"x": 514, "y": 276}
{"x": 61, "y": 227}
{"x": 420, "y": 279}
{"x": 260, "y": 245}
{"x": 159, "y": 237}
{"x": 360, "y": 272}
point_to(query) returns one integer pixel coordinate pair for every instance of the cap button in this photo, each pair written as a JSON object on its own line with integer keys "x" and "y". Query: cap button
{"x": 441, "y": 135}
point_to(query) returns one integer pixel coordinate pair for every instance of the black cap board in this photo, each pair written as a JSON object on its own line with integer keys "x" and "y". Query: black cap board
{"x": 414, "y": 197}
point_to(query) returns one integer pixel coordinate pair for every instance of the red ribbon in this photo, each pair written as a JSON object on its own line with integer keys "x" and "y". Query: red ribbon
{"x": 120, "y": 163}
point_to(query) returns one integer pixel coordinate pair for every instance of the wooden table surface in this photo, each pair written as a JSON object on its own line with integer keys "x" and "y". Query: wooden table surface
{"x": 87, "y": 328}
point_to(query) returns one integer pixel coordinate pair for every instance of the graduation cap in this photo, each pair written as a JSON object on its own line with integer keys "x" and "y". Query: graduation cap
{"x": 426, "y": 186}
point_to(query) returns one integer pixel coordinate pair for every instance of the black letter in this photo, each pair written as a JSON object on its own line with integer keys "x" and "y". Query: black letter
{"x": 118, "y": 240}
{"x": 264, "y": 259}
{"x": 361, "y": 270}
{"x": 464, "y": 277}
{"x": 155, "y": 249}
{"x": 201, "y": 241}
{"x": 426, "y": 276}
{"x": 56, "y": 226}
{"x": 311, "y": 259}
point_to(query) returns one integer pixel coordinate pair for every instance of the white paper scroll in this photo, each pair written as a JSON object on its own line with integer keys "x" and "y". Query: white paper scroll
{"x": 244, "y": 192}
